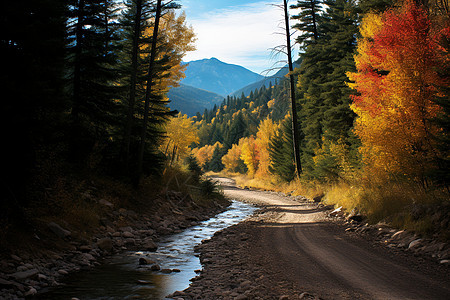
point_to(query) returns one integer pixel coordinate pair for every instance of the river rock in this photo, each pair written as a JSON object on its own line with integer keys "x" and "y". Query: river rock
{"x": 106, "y": 203}
{"x": 130, "y": 241}
{"x": 166, "y": 271}
{"x": 149, "y": 245}
{"x": 58, "y": 230}
{"x": 414, "y": 244}
{"x": 31, "y": 292}
{"x": 145, "y": 261}
{"x": 155, "y": 267}
{"x": 25, "y": 274}
{"x": 6, "y": 283}
{"x": 62, "y": 272}
{"x": 87, "y": 257}
{"x": 105, "y": 244}
{"x": 127, "y": 234}
{"x": 16, "y": 258}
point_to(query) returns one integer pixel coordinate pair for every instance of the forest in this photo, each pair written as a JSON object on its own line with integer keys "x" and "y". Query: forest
{"x": 85, "y": 87}
{"x": 372, "y": 98}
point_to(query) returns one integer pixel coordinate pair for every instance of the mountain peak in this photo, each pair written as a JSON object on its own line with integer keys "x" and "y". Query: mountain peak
{"x": 217, "y": 76}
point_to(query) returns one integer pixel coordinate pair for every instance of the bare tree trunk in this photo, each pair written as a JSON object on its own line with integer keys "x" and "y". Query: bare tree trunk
{"x": 133, "y": 80}
{"x": 77, "y": 65}
{"x": 295, "y": 133}
{"x": 148, "y": 93}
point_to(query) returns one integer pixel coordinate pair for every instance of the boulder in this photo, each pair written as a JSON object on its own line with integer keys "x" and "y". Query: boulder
{"x": 166, "y": 271}
{"x": 105, "y": 244}
{"x": 6, "y": 283}
{"x": 31, "y": 292}
{"x": 58, "y": 230}
{"x": 145, "y": 261}
{"x": 149, "y": 245}
{"x": 25, "y": 274}
{"x": 106, "y": 203}
{"x": 414, "y": 244}
{"x": 127, "y": 234}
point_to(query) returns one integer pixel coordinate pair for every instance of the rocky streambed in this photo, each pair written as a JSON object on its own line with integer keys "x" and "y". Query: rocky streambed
{"x": 27, "y": 273}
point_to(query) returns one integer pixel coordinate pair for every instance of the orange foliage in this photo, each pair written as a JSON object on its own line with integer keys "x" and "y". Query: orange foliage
{"x": 232, "y": 158}
{"x": 396, "y": 80}
{"x": 204, "y": 154}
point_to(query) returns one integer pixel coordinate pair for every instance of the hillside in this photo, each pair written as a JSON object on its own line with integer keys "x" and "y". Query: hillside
{"x": 218, "y": 77}
{"x": 190, "y": 100}
{"x": 267, "y": 81}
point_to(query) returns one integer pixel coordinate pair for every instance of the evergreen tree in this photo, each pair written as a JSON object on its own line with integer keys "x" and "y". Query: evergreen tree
{"x": 93, "y": 61}
{"x": 323, "y": 94}
{"x": 281, "y": 152}
{"x": 33, "y": 106}
{"x": 308, "y": 20}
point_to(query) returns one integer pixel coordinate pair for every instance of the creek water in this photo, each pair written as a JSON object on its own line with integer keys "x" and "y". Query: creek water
{"x": 120, "y": 276}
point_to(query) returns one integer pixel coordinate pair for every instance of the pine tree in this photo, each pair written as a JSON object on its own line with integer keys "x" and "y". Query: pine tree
{"x": 281, "y": 152}
{"x": 93, "y": 61}
{"x": 308, "y": 21}
{"x": 33, "y": 106}
{"x": 323, "y": 94}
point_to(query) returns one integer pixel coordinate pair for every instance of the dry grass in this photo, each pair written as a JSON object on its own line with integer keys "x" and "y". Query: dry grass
{"x": 404, "y": 205}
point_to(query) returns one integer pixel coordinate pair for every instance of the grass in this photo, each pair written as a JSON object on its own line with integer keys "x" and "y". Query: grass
{"x": 404, "y": 205}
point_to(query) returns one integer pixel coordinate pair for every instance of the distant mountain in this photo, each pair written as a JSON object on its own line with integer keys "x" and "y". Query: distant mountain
{"x": 218, "y": 77}
{"x": 190, "y": 100}
{"x": 264, "y": 82}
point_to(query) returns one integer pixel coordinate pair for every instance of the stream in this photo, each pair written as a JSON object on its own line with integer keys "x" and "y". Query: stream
{"x": 121, "y": 276}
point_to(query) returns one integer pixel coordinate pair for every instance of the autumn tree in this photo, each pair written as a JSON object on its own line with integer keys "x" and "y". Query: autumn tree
{"x": 266, "y": 130}
{"x": 232, "y": 160}
{"x": 174, "y": 39}
{"x": 180, "y": 135}
{"x": 396, "y": 79}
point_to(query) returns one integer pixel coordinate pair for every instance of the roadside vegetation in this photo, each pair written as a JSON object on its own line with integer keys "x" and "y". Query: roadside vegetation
{"x": 372, "y": 92}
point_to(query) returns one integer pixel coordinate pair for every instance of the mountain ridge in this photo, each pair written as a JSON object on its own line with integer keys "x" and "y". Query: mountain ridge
{"x": 218, "y": 77}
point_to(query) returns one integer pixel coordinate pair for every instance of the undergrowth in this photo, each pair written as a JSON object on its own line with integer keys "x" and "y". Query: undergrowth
{"x": 404, "y": 205}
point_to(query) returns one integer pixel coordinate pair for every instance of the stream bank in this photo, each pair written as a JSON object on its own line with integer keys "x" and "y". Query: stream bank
{"x": 64, "y": 251}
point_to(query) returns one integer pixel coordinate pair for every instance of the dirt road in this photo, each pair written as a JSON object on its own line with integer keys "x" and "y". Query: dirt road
{"x": 291, "y": 251}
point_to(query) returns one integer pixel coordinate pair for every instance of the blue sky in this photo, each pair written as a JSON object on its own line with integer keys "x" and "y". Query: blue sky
{"x": 236, "y": 31}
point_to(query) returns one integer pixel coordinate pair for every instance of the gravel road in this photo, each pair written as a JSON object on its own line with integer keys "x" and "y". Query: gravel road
{"x": 290, "y": 250}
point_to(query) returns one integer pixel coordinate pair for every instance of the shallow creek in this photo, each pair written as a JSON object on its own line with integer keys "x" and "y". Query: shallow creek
{"x": 121, "y": 277}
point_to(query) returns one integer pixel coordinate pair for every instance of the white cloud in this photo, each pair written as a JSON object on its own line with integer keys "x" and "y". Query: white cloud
{"x": 239, "y": 35}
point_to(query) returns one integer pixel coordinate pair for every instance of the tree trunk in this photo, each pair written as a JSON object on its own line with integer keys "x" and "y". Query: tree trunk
{"x": 295, "y": 133}
{"x": 148, "y": 94}
{"x": 133, "y": 80}
{"x": 77, "y": 65}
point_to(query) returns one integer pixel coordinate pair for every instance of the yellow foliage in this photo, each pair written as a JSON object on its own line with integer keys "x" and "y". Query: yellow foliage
{"x": 232, "y": 158}
{"x": 266, "y": 130}
{"x": 394, "y": 106}
{"x": 250, "y": 154}
{"x": 175, "y": 38}
{"x": 180, "y": 134}
{"x": 205, "y": 153}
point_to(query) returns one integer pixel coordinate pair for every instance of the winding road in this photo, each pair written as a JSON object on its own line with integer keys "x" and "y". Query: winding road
{"x": 317, "y": 256}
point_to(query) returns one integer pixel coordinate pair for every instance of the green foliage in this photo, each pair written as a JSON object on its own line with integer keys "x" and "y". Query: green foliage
{"x": 323, "y": 93}
{"x": 282, "y": 152}
{"x": 194, "y": 167}
{"x": 308, "y": 21}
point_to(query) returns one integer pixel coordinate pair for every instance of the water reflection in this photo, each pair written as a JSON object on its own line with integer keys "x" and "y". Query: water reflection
{"x": 120, "y": 277}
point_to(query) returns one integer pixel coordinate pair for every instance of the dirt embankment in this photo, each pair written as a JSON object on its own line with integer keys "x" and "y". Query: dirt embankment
{"x": 290, "y": 249}
{"x": 60, "y": 249}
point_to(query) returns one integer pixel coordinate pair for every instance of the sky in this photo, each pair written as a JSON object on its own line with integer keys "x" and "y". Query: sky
{"x": 240, "y": 32}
